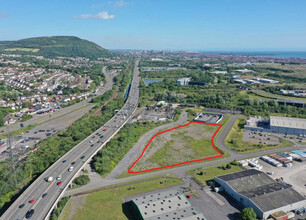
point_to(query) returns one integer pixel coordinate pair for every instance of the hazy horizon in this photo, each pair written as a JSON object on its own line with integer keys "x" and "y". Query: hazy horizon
{"x": 162, "y": 25}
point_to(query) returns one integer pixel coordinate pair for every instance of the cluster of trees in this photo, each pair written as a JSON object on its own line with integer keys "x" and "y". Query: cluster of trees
{"x": 14, "y": 179}
{"x": 81, "y": 180}
{"x": 276, "y": 89}
{"x": 287, "y": 78}
{"x": 3, "y": 112}
{"x": 196, "y": 75}
{"x": 216, "y": 97}
{"x": 110, "y": 155}
{"x": 60, "y": 206}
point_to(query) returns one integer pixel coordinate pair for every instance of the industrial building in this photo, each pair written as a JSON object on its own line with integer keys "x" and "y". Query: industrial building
{"x": 183, "y": 81}
{"x": 209, "y": 118}
{"x": 164, "y": 206}
{"x": 253, "y": 188}
{"x": 276, "y": 124}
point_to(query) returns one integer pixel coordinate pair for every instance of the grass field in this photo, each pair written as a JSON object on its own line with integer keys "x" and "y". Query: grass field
{"x": 109, "y": 203}
{"x": 254, "y": 96}
{"x": 234, "y": 140}
{"x": 210, "y": 173}
{"x": 183, "y": 144}
{"x": 34, "y": 50}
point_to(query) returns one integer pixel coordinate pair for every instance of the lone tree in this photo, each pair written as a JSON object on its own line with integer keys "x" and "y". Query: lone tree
{"x": 248, "y": 214}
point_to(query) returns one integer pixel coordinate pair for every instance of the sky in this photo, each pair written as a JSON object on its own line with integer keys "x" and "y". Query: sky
{"x": 193, "y": 25}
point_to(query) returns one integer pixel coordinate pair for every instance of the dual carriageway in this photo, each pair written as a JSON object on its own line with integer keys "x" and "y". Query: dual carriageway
{"x": 78, "y": 156}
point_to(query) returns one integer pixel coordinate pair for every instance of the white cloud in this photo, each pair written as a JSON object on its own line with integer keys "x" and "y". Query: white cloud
{"x": 117, "y": 4}
{"x": 3, "y": 15}
{"x": 120, "y": 3}
{"x": 101, "y": 15}
{"x": 104, "y": 15}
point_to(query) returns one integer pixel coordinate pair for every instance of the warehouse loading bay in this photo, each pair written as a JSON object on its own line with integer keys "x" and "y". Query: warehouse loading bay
{"x": 294, "y": 175}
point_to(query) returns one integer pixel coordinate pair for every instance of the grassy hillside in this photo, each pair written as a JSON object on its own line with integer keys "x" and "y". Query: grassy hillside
{"x": 65, "y": 46}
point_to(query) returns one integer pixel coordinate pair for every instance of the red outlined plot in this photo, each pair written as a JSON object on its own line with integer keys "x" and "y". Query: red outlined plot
{"x": 173, "y": 165}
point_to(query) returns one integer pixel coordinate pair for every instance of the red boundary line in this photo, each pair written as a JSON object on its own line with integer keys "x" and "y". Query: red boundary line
{"x": 191, "y": 161}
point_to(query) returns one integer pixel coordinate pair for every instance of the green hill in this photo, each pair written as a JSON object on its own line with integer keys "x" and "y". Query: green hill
{"x": 64, "y": 46}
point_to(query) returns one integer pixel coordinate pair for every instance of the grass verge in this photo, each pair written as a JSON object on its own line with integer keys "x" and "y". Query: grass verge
{"x": 109, "y": 203}
{"x": 205, "y": 175}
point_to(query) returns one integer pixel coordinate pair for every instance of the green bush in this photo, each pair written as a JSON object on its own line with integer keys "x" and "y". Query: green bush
{"x": 60, "y": 206}
{"x": 81, "y": 180}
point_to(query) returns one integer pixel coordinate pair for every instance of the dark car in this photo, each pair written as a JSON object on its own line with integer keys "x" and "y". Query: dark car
{"x": 82, "y": 157}
{"x": 30, "y": 213}
{"x": 22, "y": 205}
{"x": 44, "y": 195}
{"x": 73, "y": 163}
{"x": 64, "y": 161}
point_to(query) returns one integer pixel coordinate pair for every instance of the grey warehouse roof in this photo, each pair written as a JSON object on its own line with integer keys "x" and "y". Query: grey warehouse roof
{"x": 166, "y": 205}
{"x": 262, "y": 189}
{"x": 286, "y": 122}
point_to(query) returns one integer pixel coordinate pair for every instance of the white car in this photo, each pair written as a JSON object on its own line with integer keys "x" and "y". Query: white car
{"x": 59, "y": 177}
{"x": 70, "y": 169}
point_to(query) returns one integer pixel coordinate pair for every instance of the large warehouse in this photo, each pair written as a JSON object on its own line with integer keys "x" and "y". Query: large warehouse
{"x": 283, "y": 125}
{"x": 287, "y": 125}
{"x": 164, "y": 206}
{"x": 253, "y": 188}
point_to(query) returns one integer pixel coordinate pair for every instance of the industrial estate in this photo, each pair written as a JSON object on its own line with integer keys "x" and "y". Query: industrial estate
{"x": 123, "y": 134}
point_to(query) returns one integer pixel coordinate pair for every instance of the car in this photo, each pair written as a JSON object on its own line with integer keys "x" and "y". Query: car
{"x": 73, "y": 163}
{"x": 105, "y": 129}
{"x": 98, "y": 142}
{"x": 44, "y": 195}
{"x": 92, "y": 145}
{"x": 59, "y": 177}
{"x": 70, "y": 169}
{"x": 29, "y": 214}
{"x": 64, "y": 161}
{"x": 32, "y": 201}
{"x": 82, "y": 157}
{"x": 93, "y": 137}
{"x": 21, "y": 206}
{"x": 59, "y": 183}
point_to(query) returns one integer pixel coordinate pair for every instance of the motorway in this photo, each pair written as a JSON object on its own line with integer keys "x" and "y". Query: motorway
{"x": 79, "y": 156}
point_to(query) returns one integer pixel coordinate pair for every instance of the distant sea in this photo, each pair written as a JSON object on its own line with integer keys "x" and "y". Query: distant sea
{"x": 274, "y": 54}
